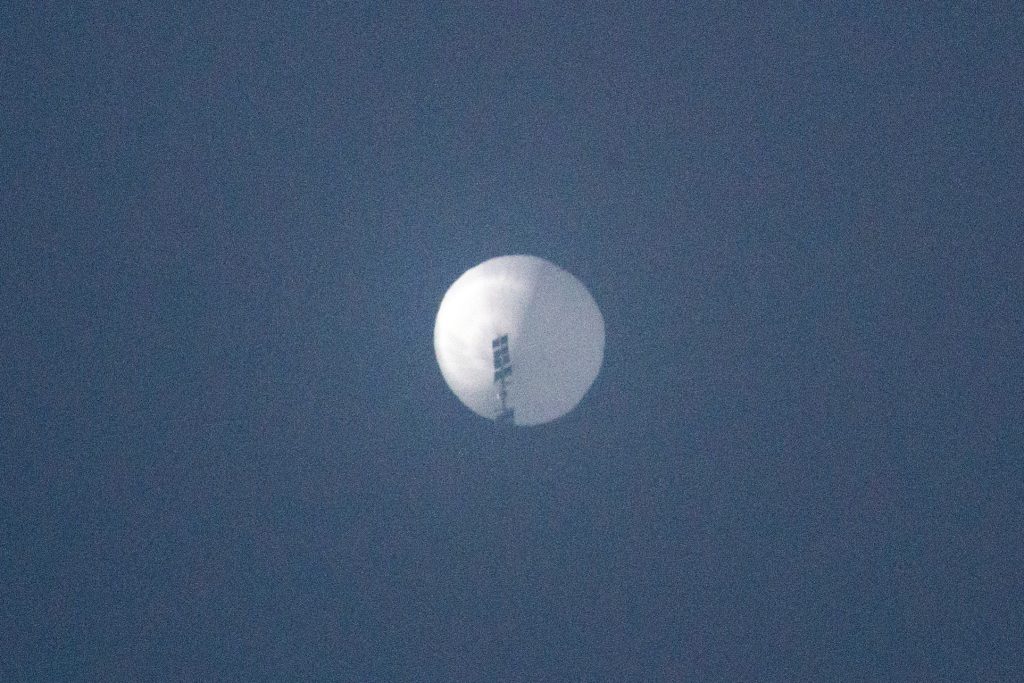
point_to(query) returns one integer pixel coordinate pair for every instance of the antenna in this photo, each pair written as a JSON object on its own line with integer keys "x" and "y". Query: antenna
{"x": 502, "y": 371}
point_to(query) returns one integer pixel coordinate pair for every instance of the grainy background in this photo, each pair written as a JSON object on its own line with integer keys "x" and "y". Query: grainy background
{"x": 227, "y": 451}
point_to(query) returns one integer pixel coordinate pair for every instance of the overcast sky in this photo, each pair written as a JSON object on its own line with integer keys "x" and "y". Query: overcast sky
{"x": 227, "y": 452}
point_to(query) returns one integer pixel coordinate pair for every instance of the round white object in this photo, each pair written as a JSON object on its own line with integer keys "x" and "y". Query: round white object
{"x": 555, "y": 339}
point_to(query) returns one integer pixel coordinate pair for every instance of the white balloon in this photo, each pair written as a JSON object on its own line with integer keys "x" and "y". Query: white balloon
{"x": 555, "y": 338}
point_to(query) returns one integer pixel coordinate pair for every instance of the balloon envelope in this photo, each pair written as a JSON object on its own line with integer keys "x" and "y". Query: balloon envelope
{"x": 555, "y": 339}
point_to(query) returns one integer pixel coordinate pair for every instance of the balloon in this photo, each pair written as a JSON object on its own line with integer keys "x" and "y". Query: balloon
{"x": 519, "y": 340}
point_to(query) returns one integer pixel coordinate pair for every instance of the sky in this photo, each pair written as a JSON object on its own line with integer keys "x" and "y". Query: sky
{"x": 226, "y": 449}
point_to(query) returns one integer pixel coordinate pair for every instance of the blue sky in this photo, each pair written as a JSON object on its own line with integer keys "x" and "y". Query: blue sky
{"x": 227, "y": 450}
